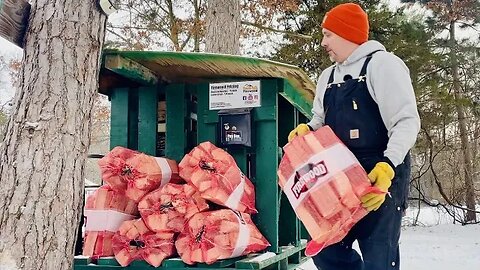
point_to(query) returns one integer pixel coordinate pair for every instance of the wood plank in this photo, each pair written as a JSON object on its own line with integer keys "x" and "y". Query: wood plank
{"x": 147, "y": 120}
{"x": 182, "y": 67}
{"x": 266, "y": 165}
{"x": 295, "y": 98}
{"x": 130, "y": 69}
{"x": 14, "y": 16}
{"x": 269, "y": 258}
{"x": 119, "y": 117}
{"x": 176, "y": 138}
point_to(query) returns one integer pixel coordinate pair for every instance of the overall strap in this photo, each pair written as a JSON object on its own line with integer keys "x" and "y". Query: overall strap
{"x": 363, "y": 72}
{"x": 330, "y": 80}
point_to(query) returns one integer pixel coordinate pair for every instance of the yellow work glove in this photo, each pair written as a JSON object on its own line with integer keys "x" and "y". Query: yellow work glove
{"x": 381, "y": 177}
{"x": 300, "y": 130}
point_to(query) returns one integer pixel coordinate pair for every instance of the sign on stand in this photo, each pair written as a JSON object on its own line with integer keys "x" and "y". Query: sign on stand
{"x": 234, "y": 95}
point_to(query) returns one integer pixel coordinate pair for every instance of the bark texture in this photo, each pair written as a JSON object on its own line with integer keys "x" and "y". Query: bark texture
{"x": 223, "y": 27}
{"x": 45, "y": 146}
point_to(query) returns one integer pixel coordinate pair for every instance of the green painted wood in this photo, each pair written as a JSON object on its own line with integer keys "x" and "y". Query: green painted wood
{"x": 240, "y": 156}
{"x": 258, "y": 262}
{"x": 176, "y": 138}
{"x": 147, "y": 120}
{"x": 184, "y": 67}
{"x": 119, "y": 98}
{"x": 133, "y": 120}
{"x": 289, "y": 225}
{"x": 291, "y": 94}
{"x": 207, "y": 126}
{"x": 192, "y": 105}
{"x": 296, "y": 258}
{"x": 173, "y": 263}
{"x": 109, "y": 261}
{"x": 170, "y": 264}
{"x": 80, "y": 260}
{"x": 302, "y": 260}
{"x": 300, "y": 118}
{"x": 130, "y": 69}
{"x": 266, "y": 152}
{"x": 210, "y": 117}
{"x": 283, "y": 264}
{"x": 140, "y": 265}
{"x": 219, "y": 264}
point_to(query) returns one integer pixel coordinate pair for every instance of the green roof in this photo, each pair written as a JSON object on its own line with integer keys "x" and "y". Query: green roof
{"x": 151, "y": 67}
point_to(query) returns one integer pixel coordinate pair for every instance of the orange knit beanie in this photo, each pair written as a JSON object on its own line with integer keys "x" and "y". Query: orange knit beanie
{"x": 348, "y": 21}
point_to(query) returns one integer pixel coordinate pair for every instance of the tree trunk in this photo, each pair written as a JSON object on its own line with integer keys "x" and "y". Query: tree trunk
{"x": 45, "y": 146}
{"x": 173, "y": 26}
{"x": 462, "y": 125}
{"x": 196, "y": 26}
{"x": 223, "y": 26}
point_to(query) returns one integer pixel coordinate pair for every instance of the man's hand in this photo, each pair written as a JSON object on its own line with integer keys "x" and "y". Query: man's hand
{"x": 300, "y": 130}
{"x": 381, "y": 177}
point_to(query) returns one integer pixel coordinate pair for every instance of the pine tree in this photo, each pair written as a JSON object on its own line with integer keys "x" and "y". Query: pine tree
{"x": 447, "y": 17}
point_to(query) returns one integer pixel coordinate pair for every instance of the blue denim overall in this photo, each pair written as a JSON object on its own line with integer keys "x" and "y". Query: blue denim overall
{"x": 355, "y": 118}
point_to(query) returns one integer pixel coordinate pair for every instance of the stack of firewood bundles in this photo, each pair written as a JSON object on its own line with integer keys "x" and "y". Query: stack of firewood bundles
{"x": 162, "y": 210}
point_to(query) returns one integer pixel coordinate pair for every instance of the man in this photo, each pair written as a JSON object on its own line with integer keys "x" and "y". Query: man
{"x": 367, "y": 98}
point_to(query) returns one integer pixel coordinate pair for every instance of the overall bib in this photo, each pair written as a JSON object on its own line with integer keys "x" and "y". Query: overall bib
{"x": 355, "y": 118}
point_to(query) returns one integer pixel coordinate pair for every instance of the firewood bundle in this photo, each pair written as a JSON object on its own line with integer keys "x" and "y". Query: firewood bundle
{"x": 134, "y": 241}
{"x": 105, "y": 210}
{"x": 215, "y": 235}
{"x": 168, "y": 208}
{"x": 216, "y": 175}
{"x": 323, "y": 182}
{"x": 135, "y": 173}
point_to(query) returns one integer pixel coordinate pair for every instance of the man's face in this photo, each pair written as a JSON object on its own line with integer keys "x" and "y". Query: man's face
{"x": 338, "y": 48}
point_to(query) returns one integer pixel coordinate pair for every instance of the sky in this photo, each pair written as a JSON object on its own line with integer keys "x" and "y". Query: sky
{"x": 9, "y": 51}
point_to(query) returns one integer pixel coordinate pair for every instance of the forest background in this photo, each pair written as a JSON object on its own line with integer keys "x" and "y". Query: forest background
{"x": 438, "y": 40}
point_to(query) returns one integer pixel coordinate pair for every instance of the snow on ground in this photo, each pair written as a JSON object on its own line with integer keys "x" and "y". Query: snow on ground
{"x": 441, "y": 247}
{"x": 436, "y": 243}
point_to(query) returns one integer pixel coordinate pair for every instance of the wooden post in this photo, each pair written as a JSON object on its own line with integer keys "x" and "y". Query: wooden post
{"x": 14, "y": 16}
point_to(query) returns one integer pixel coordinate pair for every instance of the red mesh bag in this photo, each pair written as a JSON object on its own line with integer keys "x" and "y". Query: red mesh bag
{"x": 216, "y": 175}
{"x": 168, "y": 208}
{"x": 105, "y": 210}
{"x": 216, "y": 235}
{"x": 135, "y": 173}
{"x": 134, "y": 241}
{"x": 323, "y": 182}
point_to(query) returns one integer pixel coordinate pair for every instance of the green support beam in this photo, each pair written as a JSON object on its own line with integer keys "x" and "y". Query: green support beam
{"x": 289, "y": 225}
{"x": 130, "y": 70}
{"x": 119, "y": 117}
{"x": 176, "y": 137}
{"x": 207, "y": 120}
{"x": 266, "y": 151}
{"x": 147, "y": 120}
{"x": 133, "y": 120}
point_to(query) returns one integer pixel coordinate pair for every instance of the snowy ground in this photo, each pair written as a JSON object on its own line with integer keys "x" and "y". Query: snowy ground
{"x": 436, "y": 243}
